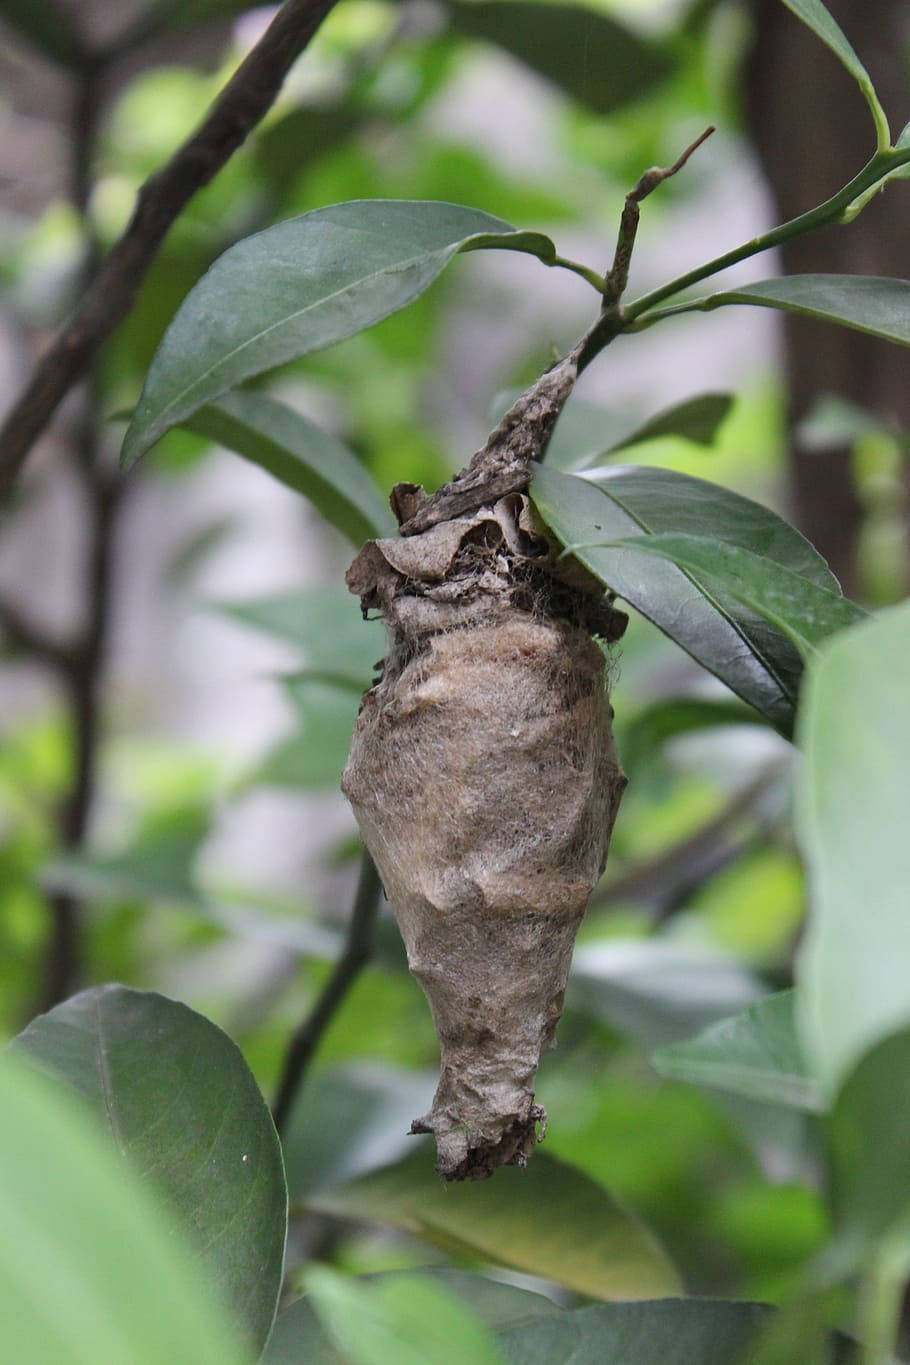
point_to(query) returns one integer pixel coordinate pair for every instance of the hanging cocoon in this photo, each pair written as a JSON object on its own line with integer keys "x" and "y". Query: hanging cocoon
{"x": 484, "y": 777}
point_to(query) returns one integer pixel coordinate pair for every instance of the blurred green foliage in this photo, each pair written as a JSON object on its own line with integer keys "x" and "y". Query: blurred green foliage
{"x": 704, "y": 881}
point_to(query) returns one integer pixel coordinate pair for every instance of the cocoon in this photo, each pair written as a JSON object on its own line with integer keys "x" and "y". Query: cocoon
{"x": 485, "y": 782}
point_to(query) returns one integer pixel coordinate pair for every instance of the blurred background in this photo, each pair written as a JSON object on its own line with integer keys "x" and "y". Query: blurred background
{"x": 180, "y": 664}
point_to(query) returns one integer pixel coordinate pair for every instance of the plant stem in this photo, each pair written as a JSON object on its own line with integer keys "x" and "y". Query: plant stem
{"x": 358, "y": 950}
{"x": 829, "y": 212}
{"x": 596, "y": 281}
{"x": 881, "y": 1296}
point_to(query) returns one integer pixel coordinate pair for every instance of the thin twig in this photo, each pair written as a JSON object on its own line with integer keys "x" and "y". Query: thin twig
{"x": 242, "y": 103}
{"x": 358, "y": 950}
{"x": 618, "y": 276}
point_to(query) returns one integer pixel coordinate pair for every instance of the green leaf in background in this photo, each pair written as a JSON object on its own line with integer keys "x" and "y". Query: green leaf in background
{"x": 756, "y": 1054}
{"x": 177, "y": 1100}
{"x": 815, "y": 16}
{"x": 299, "y": 1337}
{"x": 301, "y": 286}
{"x": 870, "y": 1147}
{"x": 548, "y": 1220}
{"x": 833, "y": 421}
{"x": 583, "y": 51}
{"x": 798, "y": 608}
{"x": 288, "y": 145}
{"x": 585, "y": 432}
{"x": 371, "y": 1106}
{"x": 733, "y": 642}
{"x": 657, "y": 991}
{"x": 665, "y": 1332}
{"x": 397, "y": 1321}
{"x": 300, "y": 455}
{"x": 674, "y": 717}
{"x": 314, "y": 756}
{"x": 48, "y": 26}
{"x": 90, "y": 1267}
{"x": 325, "y": 624}
{"x": 854, "y": 731}
{"x": 867, "y": 303}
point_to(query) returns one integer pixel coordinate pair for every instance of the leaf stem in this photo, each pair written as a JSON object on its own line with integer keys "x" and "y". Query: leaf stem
{"x": 880, "y": 1308}
{"x": 831, "y": 211}
{"x": 596, "y": 281}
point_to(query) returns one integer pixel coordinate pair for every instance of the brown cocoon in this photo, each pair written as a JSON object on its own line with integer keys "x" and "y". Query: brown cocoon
{"x": 485, "y": 781}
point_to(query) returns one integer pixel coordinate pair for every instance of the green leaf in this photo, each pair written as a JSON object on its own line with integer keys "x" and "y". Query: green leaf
{"x": 48, "y": 27}
{"x": 585, "y": 432}
{"x": 673, "y": 717}
{"x": 284, "y": 148}
{"x": 867, "y": 303}
{"x": 657, "y": 991}
{"x": 733, "y": 642}
{"x": 325, "y": 624}
{"x": 815, "y": 16}
{"x": 902, "y": 144}
{"x": 870, "y": 1147}
{"x": 756, "y": 1054}
{"x": 854, "y": 731}
{"x": 548, "y": 1220}
{"x": 300, "y": 455}
{"x": 314, "y": 756}
{"x": 90, "y": 1268}
{"x": 596, "y": 60}
{"x": 176, "y": 1099}
{"x": 666, "y": 1332}
{"x": 798, "y": 608}
{"x": 397, "y": 1321}
{"x": 301, "y": 286}
{"x": 371, "y": 1107}
{"x": 300, "y": 1339}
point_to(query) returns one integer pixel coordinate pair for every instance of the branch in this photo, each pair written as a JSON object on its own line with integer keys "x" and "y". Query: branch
{"x": 24, "y": 635}
{"x": 618, "y": 277}
{"x": 242, "y": 103}
{"x": 358, "y": 950}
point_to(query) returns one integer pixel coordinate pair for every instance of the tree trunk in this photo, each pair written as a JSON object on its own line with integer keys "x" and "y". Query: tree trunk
{"x": 813, "y": 131}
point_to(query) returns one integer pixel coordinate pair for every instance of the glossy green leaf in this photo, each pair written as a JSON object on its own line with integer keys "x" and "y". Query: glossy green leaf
{"x": 585, "y": 433}
{"x": 91, "y": 1269}
{"x": 664, "y": 1332}
{"x": 391, "y": 1320}
{"x": 301, "y": 286}
{"x": 867, "y": 303}
{"x": 655, "y": 990}
{"x": 48, "y": 27}
{"x": 313, "y": 757}
{"x": 854, "y": 731}
{"x": 299, "y": 1337}
{"x": 325, "y": 624}
{"x": 548, "y": 1220}
{"x": 798, "y": 608}
{"x": 729, "y": 639}
{"x": 297, "y": 453}
{"x": 176, "y": 1099}
{"x": 756, "y": 1054}
{"x": 586, "y": 53}
{"x": 815, "y": 16}
{"x": 869, "y": 1135}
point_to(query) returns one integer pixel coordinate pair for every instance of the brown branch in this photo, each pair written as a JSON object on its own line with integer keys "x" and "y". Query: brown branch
{"x": 242, "y": 103}
{"x": 618, "y": 277}
{"x": 358, "y": 950}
